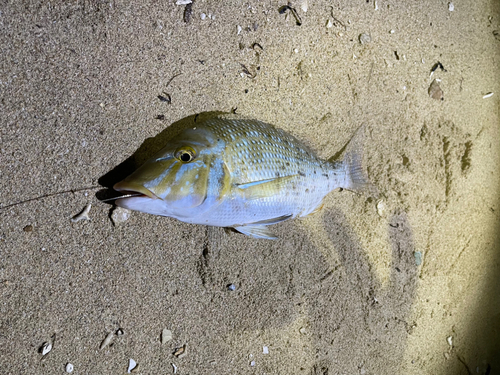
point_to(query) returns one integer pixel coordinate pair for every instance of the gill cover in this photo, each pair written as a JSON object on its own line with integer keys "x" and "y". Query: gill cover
{"x": 179, "y": 173}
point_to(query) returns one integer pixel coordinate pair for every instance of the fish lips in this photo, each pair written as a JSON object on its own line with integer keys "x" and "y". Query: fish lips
{"x": 134, "y": 187}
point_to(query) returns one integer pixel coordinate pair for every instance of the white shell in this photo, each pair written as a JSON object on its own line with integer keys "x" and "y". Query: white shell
{"x": 381, "y": 209}
{"x": 46, "y": 348}
{"x": 84, "y": 215}
{"x": 107, "y": 340}
{"x": 131, "y": 365}
{"x": 69, "y": 367}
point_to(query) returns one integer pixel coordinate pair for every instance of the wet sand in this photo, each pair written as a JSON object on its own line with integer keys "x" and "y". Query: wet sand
{"x": 407, "y": 283}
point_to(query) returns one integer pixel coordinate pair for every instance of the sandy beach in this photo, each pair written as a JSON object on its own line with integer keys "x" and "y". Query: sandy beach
{"x": 404, "y": 283}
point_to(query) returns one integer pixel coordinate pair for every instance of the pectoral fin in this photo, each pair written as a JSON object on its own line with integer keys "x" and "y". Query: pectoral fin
{"x": 259, "y": 229}
{"x": 264, "y": 188}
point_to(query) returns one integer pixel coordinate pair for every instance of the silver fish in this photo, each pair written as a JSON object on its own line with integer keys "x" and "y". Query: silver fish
{"x": 239, "y": 173}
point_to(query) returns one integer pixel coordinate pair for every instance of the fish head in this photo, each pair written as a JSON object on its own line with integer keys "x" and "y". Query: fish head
{"x": 182, "y": 177}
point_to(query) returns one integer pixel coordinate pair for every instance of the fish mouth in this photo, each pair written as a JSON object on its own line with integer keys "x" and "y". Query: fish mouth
{"x": 129, "y": 187}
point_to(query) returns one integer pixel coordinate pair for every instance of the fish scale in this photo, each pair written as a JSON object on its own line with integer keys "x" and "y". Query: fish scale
{"x": 239, "y": 173}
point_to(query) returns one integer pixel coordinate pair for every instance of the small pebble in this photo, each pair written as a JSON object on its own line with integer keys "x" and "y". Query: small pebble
{"x": 302, "y": 331}
{"x": 329, "y": 24}
{"x": 450, "y": 343}
{"x": 381, "y": 209}
{"x": 132, "y": 365}
{"x": 365, "y": 38}
{"x": 183, "y": 2}
{"x": 46, "y": 348}
{"x": 120, "y": 215}
{"x": 231, "y": 287}
{"x": 418, "y": 257}
{"x": 203, "y": 16}
{"x": 69, "y": 367}
{"x": 239, "y": 29}
{"x": 84, "y": 215}
{"x": 28, "y": 228}
{"x": 265, "y": 350}
{"x": 451, "y": 7}
{"x": 166, "y": 336}
{"x": 252, "y": 363}
{"x": 107, "y": 340}
{"x": 435, "y": 91}
{"x": 119, "y": 332}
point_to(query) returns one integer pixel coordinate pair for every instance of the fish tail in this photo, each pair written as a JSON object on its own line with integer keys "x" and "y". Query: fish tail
{"x": 356, "y": 178}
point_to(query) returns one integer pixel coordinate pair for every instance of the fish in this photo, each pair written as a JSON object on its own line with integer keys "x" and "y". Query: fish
{"x": 235, "y": 172}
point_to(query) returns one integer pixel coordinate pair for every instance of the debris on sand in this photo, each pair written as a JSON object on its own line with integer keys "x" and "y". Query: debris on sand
{"x": 166, "y": 336}
{"x": 365, "y": 38}
{"x": 180, "y": 352}
{"x": 132, "y": 366}
{"x": 107, "y": 340}
{"x": 45, "y": 348}
{"x": 119, "y": 215}
{"x": 435, "y": 91}
{"x": 84, "y": 215}
{"x": 69, "y": 368}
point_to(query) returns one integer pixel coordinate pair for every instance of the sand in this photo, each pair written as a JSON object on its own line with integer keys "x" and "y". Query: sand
{"x": 341, "y": 291}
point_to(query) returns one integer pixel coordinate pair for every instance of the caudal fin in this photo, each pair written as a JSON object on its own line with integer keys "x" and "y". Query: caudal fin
{"x": 356, "y": 178}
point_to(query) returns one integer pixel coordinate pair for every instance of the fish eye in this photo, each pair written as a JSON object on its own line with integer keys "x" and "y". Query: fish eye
{"x": 185, "y": 155}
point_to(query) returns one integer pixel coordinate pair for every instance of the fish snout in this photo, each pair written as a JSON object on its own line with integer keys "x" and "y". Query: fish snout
{"x": 133, "y": 187}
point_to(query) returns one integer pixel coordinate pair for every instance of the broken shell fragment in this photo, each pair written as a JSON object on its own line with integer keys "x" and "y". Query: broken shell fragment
{"x": 132, "y": 365}
{"x": 180, "y": 352}
{"x": 84, "y": 215}
{"x": 107, "y": 340}
{"x": 166, "y": 336}
{"x": 46, "y": 348}
{"x": 435, "y": 91}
